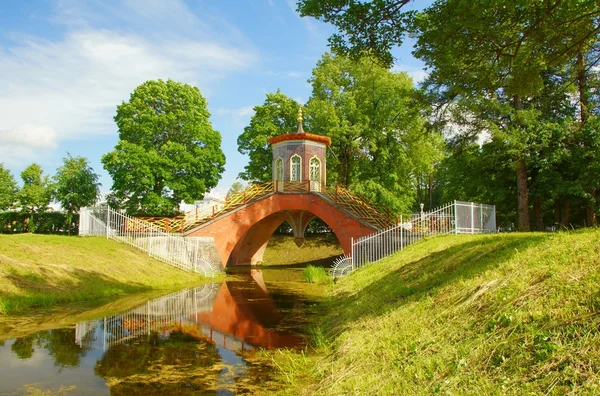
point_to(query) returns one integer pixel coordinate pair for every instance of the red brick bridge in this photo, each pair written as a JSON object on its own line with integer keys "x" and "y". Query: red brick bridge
{"x": 242, "y": 227}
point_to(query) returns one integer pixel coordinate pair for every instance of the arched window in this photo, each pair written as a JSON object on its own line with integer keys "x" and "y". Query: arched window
{"x": 295, "y": 168}
{"x": 279, "y": 169}
{"x": 315, "y": 174}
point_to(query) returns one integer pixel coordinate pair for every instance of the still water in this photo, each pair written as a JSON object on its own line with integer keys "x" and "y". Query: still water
{"x": 203, "y": 340}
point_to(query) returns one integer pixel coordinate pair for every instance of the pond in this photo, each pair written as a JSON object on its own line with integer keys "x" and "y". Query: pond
{"x": 202, "y": 340}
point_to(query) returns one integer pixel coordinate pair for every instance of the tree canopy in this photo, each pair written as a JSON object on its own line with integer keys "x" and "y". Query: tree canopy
{"x": 75, "y": 185}
{"x": 275, "y": 116}
{"x": 523, "y": 73}
{"x": 36, "y": 193}
{"x": 167, "y": 152}
{"x": 8, "y": 188}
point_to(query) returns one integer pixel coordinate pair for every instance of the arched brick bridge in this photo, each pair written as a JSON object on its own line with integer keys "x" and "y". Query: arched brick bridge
{"x": 242, "y": 234}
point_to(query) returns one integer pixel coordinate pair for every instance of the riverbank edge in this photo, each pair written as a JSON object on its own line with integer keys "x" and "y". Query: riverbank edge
{"x": 45, "y": 271}
{"x": 515, "y": 313}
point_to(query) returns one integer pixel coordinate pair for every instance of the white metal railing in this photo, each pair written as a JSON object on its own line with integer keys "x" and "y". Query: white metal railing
{"x": 168, "y": 248}
{"x": 454, "y": 218}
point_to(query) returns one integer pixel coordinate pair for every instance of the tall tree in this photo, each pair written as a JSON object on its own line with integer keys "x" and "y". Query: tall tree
{"x": 379, "y": 141}
{"x": 275, "y": 116}
{"x": 76, "y": 185}
{"x": 168, "y": 151}
{"x": 8, "y": 188}
{"x": 36, "y": 192}
{"x": 471, "y": 48}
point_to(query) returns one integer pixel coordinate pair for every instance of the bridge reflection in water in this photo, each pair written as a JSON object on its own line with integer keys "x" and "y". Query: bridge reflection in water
{"x": 237, "y": 315}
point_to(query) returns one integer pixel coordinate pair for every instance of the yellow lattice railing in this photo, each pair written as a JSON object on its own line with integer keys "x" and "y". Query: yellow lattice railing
{"x": 351, "y": 202}
{"x": 341, "y": 197}
{"x": 196, "y": 216}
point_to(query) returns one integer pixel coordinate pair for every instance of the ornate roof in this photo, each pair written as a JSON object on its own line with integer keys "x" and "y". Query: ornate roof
{"x": 300, "y": 135}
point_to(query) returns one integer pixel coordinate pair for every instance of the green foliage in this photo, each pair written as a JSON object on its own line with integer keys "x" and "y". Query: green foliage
{"x": 76, "y": 185}
{"x": 364, "y": 27}
{"x": 39, "y": 223}
{"x": 168, "y": 151}
{"x": 8, "y": 188}
{"x": 378, "y": 136}
{"x": 236, "y": 188}
{"x": 276, "y": 116}
{"x": 313, "y": 274}
{"x": 36, "y": 192}
{"x": 35, "y": 195}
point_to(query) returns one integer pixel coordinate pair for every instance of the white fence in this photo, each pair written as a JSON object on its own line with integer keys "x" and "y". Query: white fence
{"x": 455, "y": 218}
{"x": 170, "y": 249}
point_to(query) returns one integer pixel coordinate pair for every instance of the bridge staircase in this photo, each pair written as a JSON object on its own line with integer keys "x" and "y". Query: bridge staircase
{"x": 340, "y": 197}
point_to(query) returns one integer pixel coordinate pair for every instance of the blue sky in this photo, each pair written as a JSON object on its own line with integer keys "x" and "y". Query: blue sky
{"x": 65, "y": 65}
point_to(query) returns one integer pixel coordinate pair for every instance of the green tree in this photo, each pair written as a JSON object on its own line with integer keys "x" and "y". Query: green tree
{"x": 8, "y": 188}
{"x": 277, "y": 115}
{"x": 76, "y": 185}
{"x": 379, "y": 141}
{"x": 36, "y": 193}
{"x": 474, "y": 49}
{"x": 168, "y": 151}
{"x": 373, "y": 27}
{"x": 236, "y": 187}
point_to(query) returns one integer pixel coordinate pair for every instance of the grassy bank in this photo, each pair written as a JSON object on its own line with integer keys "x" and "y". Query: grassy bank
{"x": 44, "y": 270}
{"x": 515, "y": 313}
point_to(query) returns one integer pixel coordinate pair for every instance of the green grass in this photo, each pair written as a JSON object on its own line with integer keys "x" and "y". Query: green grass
{"x": 45, "y": 270}
{"x": 498, "y": 314}
{"x": 312, "y": 274}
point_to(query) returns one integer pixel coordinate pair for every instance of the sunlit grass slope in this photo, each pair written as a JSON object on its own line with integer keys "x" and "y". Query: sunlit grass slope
{"x": 43, "y": 270}
{"x": 497, "y": 314}
{"x": 317, "y": 250}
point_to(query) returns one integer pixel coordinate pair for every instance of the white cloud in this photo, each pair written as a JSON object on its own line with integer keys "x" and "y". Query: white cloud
{"x": 69, "y": 88}
{"x": 26, "y": 141}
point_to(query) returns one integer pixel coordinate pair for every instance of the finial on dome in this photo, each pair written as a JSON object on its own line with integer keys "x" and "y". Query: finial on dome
{"x": 300, "y": 129}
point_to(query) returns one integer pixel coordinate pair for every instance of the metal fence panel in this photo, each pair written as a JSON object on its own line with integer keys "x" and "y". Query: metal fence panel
{"x": 455, "y": 218}
{"x": 170, "y": 249}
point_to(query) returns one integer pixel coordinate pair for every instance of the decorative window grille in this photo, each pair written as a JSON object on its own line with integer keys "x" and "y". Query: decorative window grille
{"x": 279, "y": 169}
{"x": 295, "y": 168}
{"x": 315, "y": 174}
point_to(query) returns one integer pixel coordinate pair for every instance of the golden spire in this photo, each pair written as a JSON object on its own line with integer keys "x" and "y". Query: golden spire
{"x": 300, "y": 115}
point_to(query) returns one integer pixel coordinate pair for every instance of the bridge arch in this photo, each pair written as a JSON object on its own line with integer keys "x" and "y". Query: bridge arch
{"x": 241, "y": 236}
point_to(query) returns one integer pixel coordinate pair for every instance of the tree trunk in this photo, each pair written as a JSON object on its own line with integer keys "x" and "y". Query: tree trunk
{"x": 430, "y": 192}
{"x": 565, "y": 213}
{"x": 537, "y": 212}
{"x": 522, "y": 198}
{"x": 557, "y": 211}
{"x": 590, "y": 211}
{"x": 582, "y": 86}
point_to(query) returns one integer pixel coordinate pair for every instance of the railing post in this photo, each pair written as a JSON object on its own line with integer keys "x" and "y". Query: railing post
{"x": 472, "y": 219}
{"x": 167, "y": 225}
{"x": 213, "y": 211}
{"x": 455, "y": 218}
{"x": 107, "y": 221}
{"x": 401, "y": 232}
{"x": 276, "y": 185}
{"x": 352, "y": 252}
{"x": 308, "y": 186}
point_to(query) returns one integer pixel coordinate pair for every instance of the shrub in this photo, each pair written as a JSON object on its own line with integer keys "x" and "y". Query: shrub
{"x": 43, "y": 223}
{"x": 313, "y": 274}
